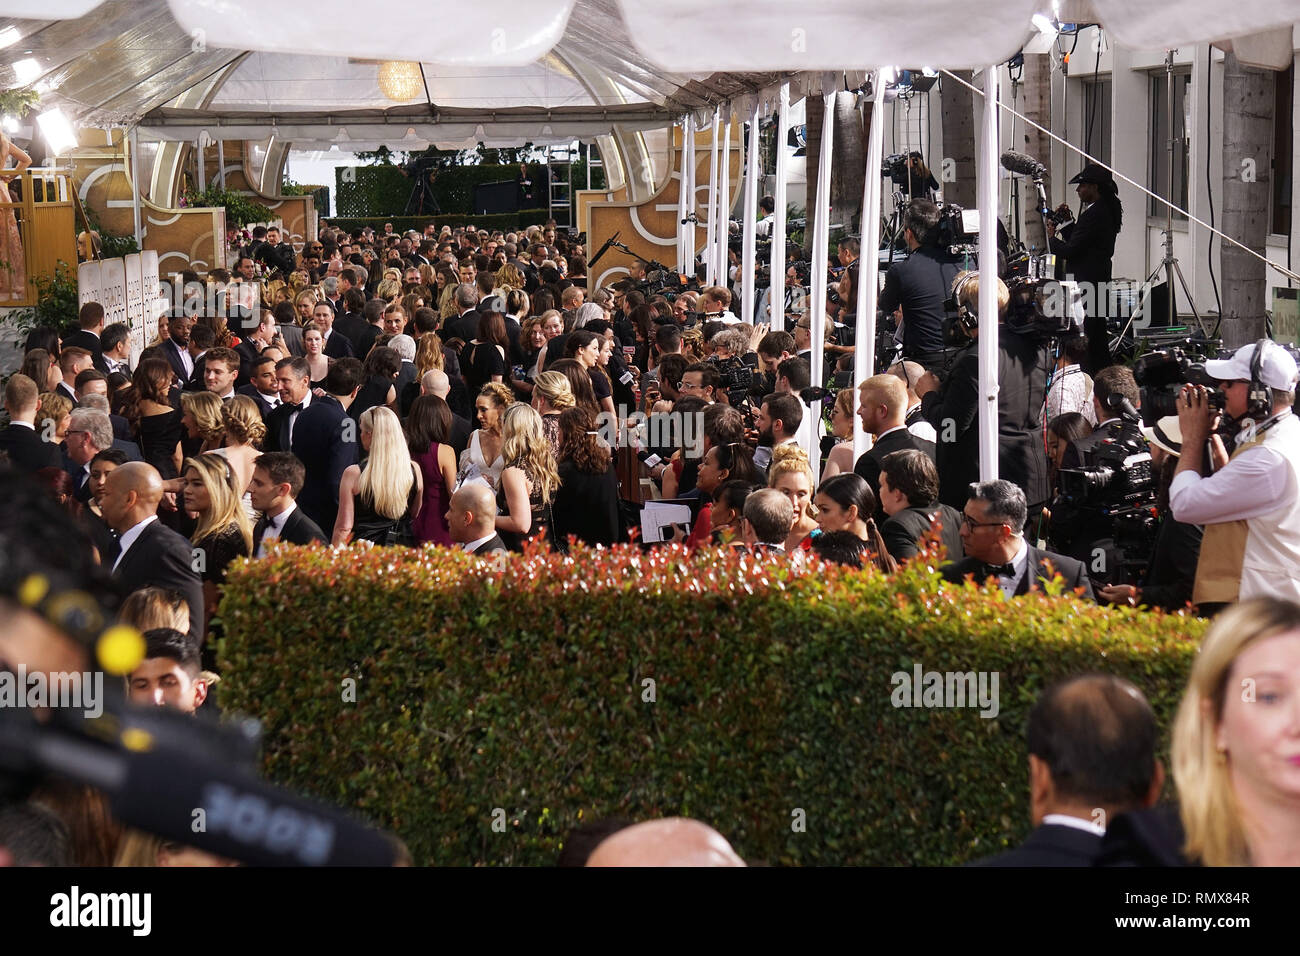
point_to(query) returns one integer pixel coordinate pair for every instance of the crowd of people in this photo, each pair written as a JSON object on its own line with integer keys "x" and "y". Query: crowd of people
{"x": 457, "y": 387}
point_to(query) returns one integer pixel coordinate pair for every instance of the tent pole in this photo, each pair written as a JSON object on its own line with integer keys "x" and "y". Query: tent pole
{"x": 820, "y": 251}
{"x": 135, "y": 186}
{"x": 777, "y": 298}
{"x": 202, "y": 183}
{"x": 749, "y": 246}
{"x": 988, "y": 262}
{"x": 720, "y": 230}
{"x": 711, "y": 232}
{"x": 688, "y": 179}
{"x": 221, "y": 162}
{"x": 869, "y": 268}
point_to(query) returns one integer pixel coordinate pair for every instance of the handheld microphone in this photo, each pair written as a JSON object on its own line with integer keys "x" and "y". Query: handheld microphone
{"x": 1020, "y": 163}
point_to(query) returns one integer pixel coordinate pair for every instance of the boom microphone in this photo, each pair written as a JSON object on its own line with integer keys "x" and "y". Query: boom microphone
{"x": 1020, "y": 163}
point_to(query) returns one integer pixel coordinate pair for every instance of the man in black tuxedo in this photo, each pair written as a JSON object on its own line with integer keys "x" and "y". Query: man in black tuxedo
{"x": 351, "y": 323}
{"x": 73, "y": 360}
{"x": 325, "y": 440}
{"x": 1092, "y": 756}
{"x": 436, "y": 382}
{"x": 882, "y": 406}
{"x": 250, "y": 347}
{"x": 471, "y": 518}
{"x": 465, "y": 325}
{"x": 337, "y": 345}
{"x": 90, "y": 432}
{"x": 992, "y": 535}
{"x": 202, "y": 339}
{"x": 149, "y": 553}
{"x": 768, "y": 516}
{"x": 276, "y": 255}
{"x": 91, "y": 319}
{"x": 277, "y": 480}
{"x": 177, "y": 347}
{"x": 953, "y": 409}
{"x": 293, "y": 379}
{"x": 909, "y": 494}
{"x": 20, "y": 440}
{"x": 261, "y": 387}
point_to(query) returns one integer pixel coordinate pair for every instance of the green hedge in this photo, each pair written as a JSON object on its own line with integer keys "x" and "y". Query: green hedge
{"x": 520, "y": 686}
{"x": 504, "y": 221}
{"x": 371, "y": 190}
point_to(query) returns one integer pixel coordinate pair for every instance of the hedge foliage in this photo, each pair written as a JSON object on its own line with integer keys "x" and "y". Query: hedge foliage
{"x": 522, "y": 685}
{"x": 504, "y": 221}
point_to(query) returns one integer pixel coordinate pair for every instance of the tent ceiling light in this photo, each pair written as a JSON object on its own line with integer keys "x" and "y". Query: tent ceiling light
{"x": 9, "y": 36}
{"x": 27, "y": 71}
{"x": 400, "y": 80}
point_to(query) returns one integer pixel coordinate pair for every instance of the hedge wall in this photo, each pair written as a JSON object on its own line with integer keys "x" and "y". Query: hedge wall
{"x": 520, "y": 685}
{"x": 504, "y": 221}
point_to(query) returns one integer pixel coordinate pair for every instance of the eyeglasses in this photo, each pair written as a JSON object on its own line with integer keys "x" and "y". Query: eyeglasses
{"x": 972, "y": 523}
{"x": 682, "y": 386}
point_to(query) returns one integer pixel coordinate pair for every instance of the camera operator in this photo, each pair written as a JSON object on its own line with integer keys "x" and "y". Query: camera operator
{"x": 763, "y": 228}
{"x": 1088, "y": 246}
{"x": 1113, "y": 386}
{"x": 1250, "y": 506}
{"x": 953, "y": 409}
{"x": 920, "y": 284}
{"x": 1171, "y": 569}
{"x": 922, "y": 184}
{"x": 715, "y": 304}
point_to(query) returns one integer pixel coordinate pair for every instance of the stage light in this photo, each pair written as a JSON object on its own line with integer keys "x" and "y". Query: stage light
{"x": 9, "y": 36}
{"x": 27, "y": 71}
{"x": 58, "y": 132}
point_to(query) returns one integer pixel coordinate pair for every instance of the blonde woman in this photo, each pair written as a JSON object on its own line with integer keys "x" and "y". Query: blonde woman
{"x": 377, "y": 502}
{"x": 305, "y": 302}
{"x": 840, "y": 460}
{"x": 791, "y": 474}
{"x": 149, "y": 608}
{"x": 201, "y": 418}
{"x": 528, "y": 481}
{"x": 390, "y": 290}
{"x": 1236, "y": 740}
{"x": 552, "y": 395}
{"x": 508, "y": 277}
{"x": 447, "y": 303}
{"x": 54, "y": 416}
{"x": 224, "y": 531}
{"x": 244, "y": 434}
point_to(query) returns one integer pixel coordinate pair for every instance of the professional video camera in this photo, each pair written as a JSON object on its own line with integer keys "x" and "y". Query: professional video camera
{"x": 735, "y": 378}
{"x": 958, "y": 230}
{"x": 1043, "y": 308}
{"x": 1161, "y": 375}
{"x": 896, "y": 168}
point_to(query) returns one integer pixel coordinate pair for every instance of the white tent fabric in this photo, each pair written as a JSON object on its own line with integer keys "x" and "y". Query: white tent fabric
{"x": 496, "y": 32}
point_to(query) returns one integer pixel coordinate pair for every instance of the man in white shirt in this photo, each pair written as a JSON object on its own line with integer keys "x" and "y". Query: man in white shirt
{"x": 1071, "y": 386}
{"x": 293, "y": 377}
{"x": 715, "y": 303}
{"x": 910, "y": 373}
{"x": 116, "y": 343}
{"x": 1250, "y": 506}
{"x": 778, "y": 421}
{"x": 763, "y": 228}
{"x": 278, "y": 477}
{"x": 1092, "y": 756}
{"x": 472, "y": 517}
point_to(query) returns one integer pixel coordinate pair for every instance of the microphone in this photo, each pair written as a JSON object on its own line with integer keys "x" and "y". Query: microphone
{"x": 1020, "y": 163}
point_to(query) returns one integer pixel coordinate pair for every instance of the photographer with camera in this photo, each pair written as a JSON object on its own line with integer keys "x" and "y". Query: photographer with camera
{"x": 920, "y": 284}
{"x": 1171, "y": 569}
{"x": 953, "y": 408}
{"x": 1250, "y": 506}
{"x": 763, "y": 228}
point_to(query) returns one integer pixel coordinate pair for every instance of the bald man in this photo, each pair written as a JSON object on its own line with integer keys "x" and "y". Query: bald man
{"x": 436, "y": 382}
{"x": 676, "y": 841}
{"x": 149, "y": 554}
{"x": 472, "y": 518}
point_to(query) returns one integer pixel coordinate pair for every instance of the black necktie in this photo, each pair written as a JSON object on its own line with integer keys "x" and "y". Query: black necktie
{"x": 292, "y": 407}
{"x": 1000, "y": 570}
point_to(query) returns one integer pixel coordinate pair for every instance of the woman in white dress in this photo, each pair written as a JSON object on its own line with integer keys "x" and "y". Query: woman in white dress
{"x": 482, "y": 457}
{"x": 244, "y": 434}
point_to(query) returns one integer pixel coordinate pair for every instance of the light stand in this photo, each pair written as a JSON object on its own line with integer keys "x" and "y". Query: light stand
{"x": 1168, "y": 264}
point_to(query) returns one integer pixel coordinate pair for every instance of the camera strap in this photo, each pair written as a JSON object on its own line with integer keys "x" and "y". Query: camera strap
{"x": 1250, "y": 431}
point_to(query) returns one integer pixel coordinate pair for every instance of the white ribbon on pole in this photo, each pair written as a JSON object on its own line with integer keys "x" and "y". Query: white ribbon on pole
{"x": 777, "y": 298}
{"x": 988, "y": 301}
{"x": 864, "y": 358}
{"x": 711, "y": 227}
{"x": 688, "y": 194}
{"x": 820, "y": 252}
{"x": 724, "y": 201}
{"x": 749, "y": 245}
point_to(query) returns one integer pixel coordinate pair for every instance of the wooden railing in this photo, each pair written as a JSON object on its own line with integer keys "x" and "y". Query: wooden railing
{"x": 37, "y": 230}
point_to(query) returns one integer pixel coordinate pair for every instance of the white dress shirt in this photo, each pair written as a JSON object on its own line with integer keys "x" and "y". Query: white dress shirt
{"x": 187, "y": 360}
{"x": 19, "y": 421}
{"x": 1018, "y": 561}
{"x": 471, "y": 545}
{"x": 128, "y": 538}
{"x": 1071, "y": 391}
{"x": 273, "y": 528}
{"x": 1077, "y": 823}
{"x": 293, "y": 419}
{"x": 1251, "y": 485}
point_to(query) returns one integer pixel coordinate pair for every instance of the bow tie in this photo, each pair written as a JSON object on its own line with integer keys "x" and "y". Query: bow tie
{"x": 291, "y": 406}
{"x": 999, "y": 570}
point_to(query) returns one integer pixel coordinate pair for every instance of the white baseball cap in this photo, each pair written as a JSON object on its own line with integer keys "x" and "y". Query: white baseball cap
{"x": 1277, "y": 369}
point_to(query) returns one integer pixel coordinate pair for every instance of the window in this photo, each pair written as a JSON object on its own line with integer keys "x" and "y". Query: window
{"x": 1279, "y": 217}
{"x": 1096, "y": 118}
{"x": 1159, "y": 146}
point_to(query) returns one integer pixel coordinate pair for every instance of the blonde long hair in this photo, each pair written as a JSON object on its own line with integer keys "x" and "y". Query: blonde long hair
{"x": 1210, "y": 812}
{"x": 524, "y": 446}
{"x": 555, "y": 388}
{"x": 224, "y": 505}
{"x": 386, "y": 480}
{"x": 243, "y": 422}
{"x": 787, "y": 459}
{"x": 428, "y": 354}
{"x": 206, "y": 410}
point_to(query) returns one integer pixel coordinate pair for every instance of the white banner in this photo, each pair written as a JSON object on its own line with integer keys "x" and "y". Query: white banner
{"x": 88, "y": 280}
{"x": 155, "y": 304}
{"x": 112, "y": 296}
{"x": 134, "y": 292}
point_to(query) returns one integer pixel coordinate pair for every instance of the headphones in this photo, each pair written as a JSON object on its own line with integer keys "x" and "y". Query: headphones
{"x": 966, "y": 321}
{"x": 1259, "y": 400}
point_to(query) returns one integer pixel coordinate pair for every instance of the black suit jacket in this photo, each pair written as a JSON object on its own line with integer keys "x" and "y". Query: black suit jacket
{"x": 251, "y": 391}
{"x": 904, "y": 530}
{"x": 298, "y": 529}
{"x": 162, "y": 558}
{"x": 868, "y": 464}
{"x": 1074, "y": 573}
{"x": 463, "y": 327}
{"x": 248, "y": 354}
{"x": 351, "y": 325}
{"x": 277, "y": 428}
{"x": 195, "y": 382}
{"x": 1050, "y": 845}
{"x": 491, "y": 545}
{"x": 67, "y": 391}
{"x": 26, "y": 450}
{"x": 90, "y": 342}
{"x": 1089, "y": 244}
{"x": 366, "y": 341}
{"x": 320, "y": 440}
{"x": 338, "y": 345}
{"x": 1022, "y": 458}
{"x": 172, "y": 352}
{"x": 461, "y": 429}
